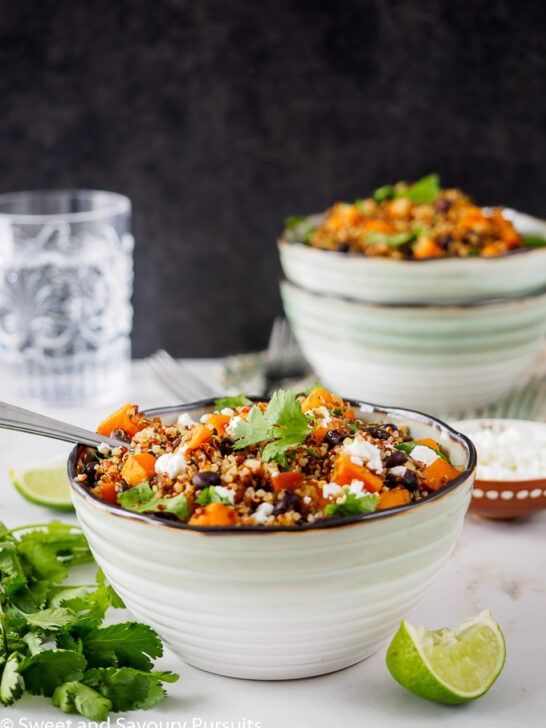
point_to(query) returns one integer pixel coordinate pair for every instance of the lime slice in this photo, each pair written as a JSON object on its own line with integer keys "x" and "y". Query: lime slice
{"x": 44, "y": 483}
{"x": 450, "y": 665}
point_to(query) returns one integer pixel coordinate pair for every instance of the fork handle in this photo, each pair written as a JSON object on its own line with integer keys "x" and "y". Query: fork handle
{"x": 17, "y": 418}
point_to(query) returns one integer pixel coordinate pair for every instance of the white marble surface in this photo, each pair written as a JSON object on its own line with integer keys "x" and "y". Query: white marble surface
{"x": 495, "y": 565}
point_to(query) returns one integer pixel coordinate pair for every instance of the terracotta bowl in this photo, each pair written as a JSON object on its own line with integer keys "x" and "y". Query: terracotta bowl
{"x": 505, "y": 499}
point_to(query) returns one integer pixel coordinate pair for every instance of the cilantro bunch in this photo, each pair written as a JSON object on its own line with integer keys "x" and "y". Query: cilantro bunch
{"x": 282, "y": 426}
{"x": 51, "y": 639}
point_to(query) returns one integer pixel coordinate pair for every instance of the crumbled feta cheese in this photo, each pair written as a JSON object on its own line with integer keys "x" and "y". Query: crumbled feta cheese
{"x": 171, "y": 464}
{"x": 307, "y": 499}
{"x": 363, "y": 452}
{"x": 230, "y": 429}
{"x": 424, "y": 454}
{"x": 331, "y": 490}
{"x": 399, "y": 471}
{"x": 104, "y": 449}
{"x": 227, "y": 411}
{"x": 225, "y": 492}
{"x": 204, "y": 418}
{"x": 321, "y": 416}
{"x": 186, "y": 419}
{"x": 356, "y": 487}
{"x": 510, "y": 453}
{"x": 262, "y": 512}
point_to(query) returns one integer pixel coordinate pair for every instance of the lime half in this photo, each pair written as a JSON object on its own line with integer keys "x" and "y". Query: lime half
{"x": 44, "y": 483}
{"x": 450, "y": 665}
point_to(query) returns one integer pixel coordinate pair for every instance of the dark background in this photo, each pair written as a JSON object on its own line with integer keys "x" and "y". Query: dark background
{"x": 218, "y": 119}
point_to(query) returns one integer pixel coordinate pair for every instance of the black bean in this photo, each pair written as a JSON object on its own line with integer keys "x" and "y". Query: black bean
{"x": 289, "y": 502}
{"x": 204, "y": 478}
{"x": 396, "y": 458}
{"x": 444, "y": 241}
{"x": 122, "y": 487}
{"x": 333, "y": 438}
{"x": 410, "y": 480}
{"x": 443, "y": 205}
{"x": 119, "y": 434}
{"x": 380, "y": 433}
{"x": 89, "y": 470}
{"x": 226, "y": 447}
{"x": 343, "y": 247}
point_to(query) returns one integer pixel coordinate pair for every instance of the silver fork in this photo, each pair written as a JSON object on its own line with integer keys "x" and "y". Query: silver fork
{"x": 284, "y": 359}
{"x": 178, "y": 378}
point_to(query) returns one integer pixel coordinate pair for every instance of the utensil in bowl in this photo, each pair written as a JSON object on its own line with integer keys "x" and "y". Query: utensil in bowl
{"x": 436, "y": 280}
{"x": 280, "y": 602}
{"x": 436, "y": 358}
{"x": 506, "y": 499}
{"x": 17, "y": 418}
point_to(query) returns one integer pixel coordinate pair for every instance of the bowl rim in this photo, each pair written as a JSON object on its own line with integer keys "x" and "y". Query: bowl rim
{"x": 464, "y": 305}
{"x": 81, "y": 491}
{"x": 444, "y": 260}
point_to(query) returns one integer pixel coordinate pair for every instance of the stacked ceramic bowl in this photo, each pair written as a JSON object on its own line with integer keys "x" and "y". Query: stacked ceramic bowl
{"x": 443, "y": 335}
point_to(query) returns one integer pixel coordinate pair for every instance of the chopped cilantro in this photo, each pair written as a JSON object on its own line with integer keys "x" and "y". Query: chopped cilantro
{"x": 353, "y": 505}
{"x": 240, "y": 400}
{"x": 307, "y": 390}
{"x": 534, "y": 241}
{"x": 141, "y": 499}
{"x": 425, "y": 190}
{"x": 386, "y": 192}
{"x": 210, "y": 495}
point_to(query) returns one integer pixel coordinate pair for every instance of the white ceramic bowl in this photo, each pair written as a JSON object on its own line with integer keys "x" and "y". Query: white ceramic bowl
{"x": 433, "y": 358}
{"x": 280, "y": 603}
{"x": 436, "y": 280}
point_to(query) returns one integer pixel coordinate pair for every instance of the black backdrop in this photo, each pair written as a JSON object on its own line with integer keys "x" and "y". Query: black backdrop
{"x": 220, "y": 118}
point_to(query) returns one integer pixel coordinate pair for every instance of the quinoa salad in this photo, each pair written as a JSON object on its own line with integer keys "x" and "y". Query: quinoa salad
{"x": 414, "y": 221}
{"x": 294, "y": 460}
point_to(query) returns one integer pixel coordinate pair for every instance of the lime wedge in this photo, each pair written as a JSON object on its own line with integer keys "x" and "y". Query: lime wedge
{"x": 44, "y": 483}
{"x": 450, "y": 665}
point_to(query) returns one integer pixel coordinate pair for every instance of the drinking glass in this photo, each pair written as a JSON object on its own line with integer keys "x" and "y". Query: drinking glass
{"x": 66, "y": 274}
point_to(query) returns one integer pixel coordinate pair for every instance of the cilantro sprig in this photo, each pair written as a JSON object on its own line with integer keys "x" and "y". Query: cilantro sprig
{"x": 424, "y": 190}
{"x": 282, "y": 426}
{"x": 239, "y": 400}
{"x": 353, "y": 505}
{"x": 92, "y": 669}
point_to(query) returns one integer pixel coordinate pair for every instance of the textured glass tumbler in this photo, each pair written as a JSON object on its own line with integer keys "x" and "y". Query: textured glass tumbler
{"x": 66, "y": 275}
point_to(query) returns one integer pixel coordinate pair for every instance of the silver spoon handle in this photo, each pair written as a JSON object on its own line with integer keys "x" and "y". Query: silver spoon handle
{"x": 16, "y": 418}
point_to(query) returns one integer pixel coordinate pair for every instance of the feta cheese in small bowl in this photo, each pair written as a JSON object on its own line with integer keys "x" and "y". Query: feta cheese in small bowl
{"x": 511, "y": 474}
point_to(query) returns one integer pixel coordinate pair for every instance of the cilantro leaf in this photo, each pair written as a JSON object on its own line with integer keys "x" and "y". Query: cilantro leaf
{"x": 254, "y": 430}
{"x": 307, "y": 390}
{"x": 11, "y": 682}
{"x": 424, "y": 190}
{"x": 394, "y": 240}
{"x": 407, "y": 447}
{"x": 534, "y": 241}
{"x": 353, "y": 505}
{"x": 43, "y": 559}
{"x": 283, "y": 424}
{"x": 127, "y": 688}
{"x": 141, "y": 499}
{"x": 122, "y": 645}
{"x": 384, "y": 193}
{"x": 289, "y": 424}
{"x": 299, "y": 229}
{"x": 75, "y": 697}
{"x": 47, "y": 670}
{"x": 53, "y": 618}
{"x": 209, "y": 495}
{"x": 240, "y": 400}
